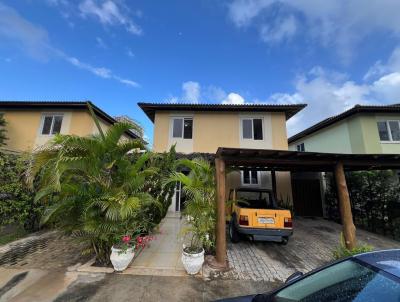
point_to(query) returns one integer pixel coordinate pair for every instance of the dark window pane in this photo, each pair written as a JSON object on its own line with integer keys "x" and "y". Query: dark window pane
{"x": 57, "y": 124}
{"x": 383, "y": 131}
{"x": 187, "y": 128}
{"x": 394, "y": 130}
{"x": 254, "y": 178}
{"x": 246, "y": 177}
{"x": 258, "y": 132}
{"x": 301, "y": 147}
{"x": 47, "y": 124}
{"x": 177, "y": 127}
{"x": 247, "y": 129}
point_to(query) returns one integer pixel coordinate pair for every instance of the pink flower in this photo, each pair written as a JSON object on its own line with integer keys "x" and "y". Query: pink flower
{"x": 126, "y": 238}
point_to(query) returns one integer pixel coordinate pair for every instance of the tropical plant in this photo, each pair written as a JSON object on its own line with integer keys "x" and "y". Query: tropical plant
{"x": 200, "y": 206}
{"x": 94, "y": 187}
{"x": 16, "y": 200}
{"x": 375, "y": 201}
{"x": 2, "y": 130}
{"x": 342, "y": 251}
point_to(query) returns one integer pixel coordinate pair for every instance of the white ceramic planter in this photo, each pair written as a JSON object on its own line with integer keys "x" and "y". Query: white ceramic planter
{"x": 120, "y": 259}
{"x": 192, "y": 262}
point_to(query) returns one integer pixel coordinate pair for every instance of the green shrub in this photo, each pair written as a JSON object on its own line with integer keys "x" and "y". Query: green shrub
{"x": 98, "y": 188}
{"x": 16, "y": 200}
{"x": 343, "y": 252}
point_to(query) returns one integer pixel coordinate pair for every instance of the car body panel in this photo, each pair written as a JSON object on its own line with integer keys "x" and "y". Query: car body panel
{"x": 267, "y": 224}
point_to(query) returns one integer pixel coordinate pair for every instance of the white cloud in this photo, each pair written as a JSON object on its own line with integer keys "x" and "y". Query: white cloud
{"x": 234, "y": 98}
{"x": 109, "y": 13}
{"x": 33, "y": 41}
{"x": 191, "y": 92}
{"x": 101, "y": 43}
{"x": 281, "y": 30}
{"x": 24, "y": 35}
{"x": 387, "y": 88}
{"x": 340, "y": 24}
{"x": 379, "y": 68}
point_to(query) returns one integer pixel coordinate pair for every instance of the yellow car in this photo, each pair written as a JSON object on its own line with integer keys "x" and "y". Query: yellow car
{"x": 255, "y": 214}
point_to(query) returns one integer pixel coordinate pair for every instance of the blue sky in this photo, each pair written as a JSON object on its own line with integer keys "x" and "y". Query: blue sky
{"x": 330, "y": 54}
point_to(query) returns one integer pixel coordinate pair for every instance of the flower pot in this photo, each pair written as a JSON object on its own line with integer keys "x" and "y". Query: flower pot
{"x": 120, "y": 259}
{"x": 192, "y": 262}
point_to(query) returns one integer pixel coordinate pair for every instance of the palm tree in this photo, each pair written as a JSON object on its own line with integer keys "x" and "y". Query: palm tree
{"x": 94, "y": 187}
{"x": 200, "y": 206}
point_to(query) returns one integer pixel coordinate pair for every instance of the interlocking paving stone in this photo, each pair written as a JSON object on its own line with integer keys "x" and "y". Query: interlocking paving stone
{"x": 310, "y": 247}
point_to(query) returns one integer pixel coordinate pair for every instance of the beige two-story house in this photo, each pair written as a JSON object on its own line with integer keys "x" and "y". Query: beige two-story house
{"x": 202, "y": 128}
{"x": 31, "y": 124}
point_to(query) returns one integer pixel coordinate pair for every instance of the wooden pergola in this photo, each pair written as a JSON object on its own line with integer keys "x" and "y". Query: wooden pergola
{"x": 293, "y": 161}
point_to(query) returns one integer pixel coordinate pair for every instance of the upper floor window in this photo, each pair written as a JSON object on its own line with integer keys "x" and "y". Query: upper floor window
{"x": 182, "y": 128}
{"x": 389, "y": 131}
{"x": 249, "y": 177}
{"x": 300, "y": 147}
{"x": 252, "y": 128}
{"x": 51, "y": 124}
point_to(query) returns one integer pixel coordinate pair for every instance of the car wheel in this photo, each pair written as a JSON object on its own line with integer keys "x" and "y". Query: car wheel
{"x": 285, "y": 240}
{"x": 234, "y": 235}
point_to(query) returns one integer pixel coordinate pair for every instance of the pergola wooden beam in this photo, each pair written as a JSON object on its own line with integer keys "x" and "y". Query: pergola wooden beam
{"x": 282, "y": 160}
{"x": 349, "y": 229}
{"x": 221, "y": 199}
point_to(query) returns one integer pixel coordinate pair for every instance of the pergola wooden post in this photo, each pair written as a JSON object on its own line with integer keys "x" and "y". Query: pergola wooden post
{"x": 349, "y": 230}
{"x": 221, "y": 198}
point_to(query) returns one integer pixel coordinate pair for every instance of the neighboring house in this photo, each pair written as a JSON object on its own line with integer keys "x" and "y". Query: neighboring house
{"x": 359, "y": 130}
{"x": 30, "y": 124}
{"x": 202, "y": 128}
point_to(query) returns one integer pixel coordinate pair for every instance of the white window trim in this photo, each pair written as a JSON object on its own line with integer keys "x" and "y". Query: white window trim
{"x": 252, "y": 127}
{"x": 390, "y": 141}
{"x": 250, "y": 185}
{"x": 171, "y": 133}
{"x": 52, "y": 124}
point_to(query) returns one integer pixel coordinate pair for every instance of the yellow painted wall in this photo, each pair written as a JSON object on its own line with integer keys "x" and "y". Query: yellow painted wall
{"x": 161, "y": 131}
{"x": 81, "y": 123}
{"x": 215, "y": 129}
{"x": 22, "y": 129}
{"x": 222, "y": 129}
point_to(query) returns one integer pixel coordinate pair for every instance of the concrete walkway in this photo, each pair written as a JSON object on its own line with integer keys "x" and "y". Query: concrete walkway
{"x": 163, "y": 256}
{"x": 33, "y": 285}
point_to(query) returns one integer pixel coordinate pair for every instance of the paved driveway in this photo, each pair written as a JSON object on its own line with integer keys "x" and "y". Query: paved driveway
{"x": 310, "y": 246}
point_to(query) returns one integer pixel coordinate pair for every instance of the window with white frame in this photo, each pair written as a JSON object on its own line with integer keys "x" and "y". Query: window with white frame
{"x": 182, "y": 127}
{"x": 389, "y": 131}
{"x": 51, "y": 124}
{"x": 252, "y": 128}
{"x": 300, "y": 147}
{"x": 249, "y": 177}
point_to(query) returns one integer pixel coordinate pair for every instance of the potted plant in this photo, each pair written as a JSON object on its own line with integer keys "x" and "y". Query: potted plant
{"x": 200, "y": 208}
{"x": 123, "y": 251}
{"x": 193, "y": 254}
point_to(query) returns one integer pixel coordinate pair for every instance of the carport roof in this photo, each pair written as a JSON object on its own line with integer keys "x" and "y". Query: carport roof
{"x": 283, "y": 160}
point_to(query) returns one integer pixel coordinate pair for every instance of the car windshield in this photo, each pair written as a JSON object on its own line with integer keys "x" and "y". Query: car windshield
{"x": 255, "y": 199}
{"x": 345, "y": 281}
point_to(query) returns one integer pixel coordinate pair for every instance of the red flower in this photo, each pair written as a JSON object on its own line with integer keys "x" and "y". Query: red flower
{"x": 126, "y": 238}
{"x": 139, "y": 239}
